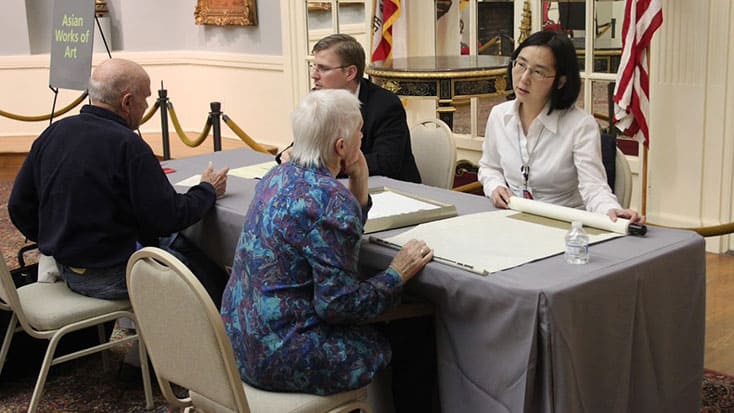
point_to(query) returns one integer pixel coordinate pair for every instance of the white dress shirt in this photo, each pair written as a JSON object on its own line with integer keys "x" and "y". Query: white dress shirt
{"x": 562, "y": 150}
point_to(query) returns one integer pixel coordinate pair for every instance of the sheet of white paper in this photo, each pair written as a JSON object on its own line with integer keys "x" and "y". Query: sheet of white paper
{"x": 491, "y": 241}
{"x": 256, "y": 171}
{"x": 253, "y": 171}
{"x": 388, "y": 203}
{"x": 190, "y": 181}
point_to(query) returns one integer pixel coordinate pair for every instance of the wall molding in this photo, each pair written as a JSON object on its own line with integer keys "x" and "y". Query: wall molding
{"x": 177, "y": 57}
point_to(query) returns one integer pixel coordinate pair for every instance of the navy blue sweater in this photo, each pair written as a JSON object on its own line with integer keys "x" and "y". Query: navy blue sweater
{"x": 90, "y": 188}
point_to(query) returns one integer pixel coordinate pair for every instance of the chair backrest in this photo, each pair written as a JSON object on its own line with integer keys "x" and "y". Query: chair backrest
{"x": 619, "y": 174}
{"x": 608, "y": 157}
{"x": 623, "y": 179}
{"x": 182, "y": 329}
{"x": 435, "y": 152}
{"x": 6, "y": 291}
{"x": 9, "y": 300}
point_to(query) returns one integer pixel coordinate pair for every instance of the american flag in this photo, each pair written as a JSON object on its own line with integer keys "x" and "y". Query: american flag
{"x": 386, "y": 14}
{"x": 631, "y": 94}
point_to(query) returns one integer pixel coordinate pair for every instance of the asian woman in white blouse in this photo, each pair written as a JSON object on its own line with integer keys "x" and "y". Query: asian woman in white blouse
{"x": 540, "y": 145}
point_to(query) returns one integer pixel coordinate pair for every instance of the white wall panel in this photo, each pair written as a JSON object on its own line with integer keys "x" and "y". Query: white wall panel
{"x": 677, "y": 116}
{"x": 252, "y": 90}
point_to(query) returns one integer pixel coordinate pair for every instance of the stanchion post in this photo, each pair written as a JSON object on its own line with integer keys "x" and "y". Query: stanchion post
{"x": 216, "y": 117}
{"x": 163, "y": 106}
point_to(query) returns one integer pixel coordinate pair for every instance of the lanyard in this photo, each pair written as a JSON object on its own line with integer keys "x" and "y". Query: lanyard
{"x": 525, "y": 167}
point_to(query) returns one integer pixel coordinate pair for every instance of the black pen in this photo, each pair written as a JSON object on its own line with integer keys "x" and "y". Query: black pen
{"x": 277, "y": 157}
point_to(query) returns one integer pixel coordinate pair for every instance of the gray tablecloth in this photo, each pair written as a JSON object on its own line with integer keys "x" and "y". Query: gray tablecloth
{"x": 623, "y": 333}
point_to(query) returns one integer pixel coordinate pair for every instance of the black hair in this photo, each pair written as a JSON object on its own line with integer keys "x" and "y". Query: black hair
{"x": 567, "y": 65}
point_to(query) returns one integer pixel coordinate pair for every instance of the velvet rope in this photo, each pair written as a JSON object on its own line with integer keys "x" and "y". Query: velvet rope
{"x": 61, "y": 111}
{"x": 243, "y": 135}
{"x": 182, "y": 135}
{"x": 151, "y": 112}
{"x": 709, "y": 231}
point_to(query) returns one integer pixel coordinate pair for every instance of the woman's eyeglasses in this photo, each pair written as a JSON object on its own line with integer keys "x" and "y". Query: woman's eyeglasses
{"x": 536, "y": 73}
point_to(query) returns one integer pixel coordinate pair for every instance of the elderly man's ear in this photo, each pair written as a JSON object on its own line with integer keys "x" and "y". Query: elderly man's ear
{"x": 125, "y": 102}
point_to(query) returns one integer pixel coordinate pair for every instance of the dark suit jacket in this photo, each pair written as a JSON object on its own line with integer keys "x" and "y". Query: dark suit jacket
{"x": 385, "y": 134}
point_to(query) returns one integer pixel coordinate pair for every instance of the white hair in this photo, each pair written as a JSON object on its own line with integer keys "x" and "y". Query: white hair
{"x": 321, "y": 118}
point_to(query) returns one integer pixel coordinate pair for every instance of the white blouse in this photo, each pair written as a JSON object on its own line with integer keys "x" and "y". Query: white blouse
{"x": 562, "y": 151}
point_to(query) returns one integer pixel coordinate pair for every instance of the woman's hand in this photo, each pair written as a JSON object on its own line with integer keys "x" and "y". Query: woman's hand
{"x": 358, "y": 174}
{"x": 501, "y": 197}
{"x": 356, "y": 167}
{"x": 412, "y": 258}
{"x": 630, "y": 214}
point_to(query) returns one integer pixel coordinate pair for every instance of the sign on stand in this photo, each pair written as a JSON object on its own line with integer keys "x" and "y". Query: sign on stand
{"x": 72, "y": 39}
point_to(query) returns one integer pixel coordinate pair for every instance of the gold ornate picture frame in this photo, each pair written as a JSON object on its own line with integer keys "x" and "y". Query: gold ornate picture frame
{"x": 226, "y": 12}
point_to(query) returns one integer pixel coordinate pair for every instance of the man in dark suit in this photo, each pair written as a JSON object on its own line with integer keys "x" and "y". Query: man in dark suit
{"x": 339, "y": 62}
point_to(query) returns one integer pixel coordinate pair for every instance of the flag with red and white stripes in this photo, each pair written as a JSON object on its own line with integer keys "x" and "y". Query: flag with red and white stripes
{"x": 385, "y": 16}
{"x": 631, "y": 94}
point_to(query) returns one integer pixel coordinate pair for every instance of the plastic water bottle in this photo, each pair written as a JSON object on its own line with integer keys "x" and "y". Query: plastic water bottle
{"x": 577, "y": 244}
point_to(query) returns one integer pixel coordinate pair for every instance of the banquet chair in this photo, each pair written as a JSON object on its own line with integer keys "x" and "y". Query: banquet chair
{"x": 622, "y": 179}
{"x": 619, "y": 174}
{"x": 188, "y": 345}
{"x": 49, "y": 311}
{"x": 435, "y": 152}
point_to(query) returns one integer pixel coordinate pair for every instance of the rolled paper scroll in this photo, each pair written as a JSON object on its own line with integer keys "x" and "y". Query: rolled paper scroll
{"x": 589, "y": 219}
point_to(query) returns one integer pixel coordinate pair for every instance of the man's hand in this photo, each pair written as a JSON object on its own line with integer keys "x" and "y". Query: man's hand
{"x": 218, "y": 179}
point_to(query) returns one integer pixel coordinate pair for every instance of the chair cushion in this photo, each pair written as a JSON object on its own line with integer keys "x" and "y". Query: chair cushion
{"x": 52, "y": 306}
{"x": 267, "y": 401}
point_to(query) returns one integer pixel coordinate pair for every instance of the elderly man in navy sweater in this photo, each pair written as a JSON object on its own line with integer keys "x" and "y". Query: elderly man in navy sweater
{"x": 91, "y": 188}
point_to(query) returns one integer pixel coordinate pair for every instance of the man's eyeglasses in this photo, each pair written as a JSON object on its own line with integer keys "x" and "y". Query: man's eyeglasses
{"x": 536, "y": 73}
{"x": 323, "y": 69}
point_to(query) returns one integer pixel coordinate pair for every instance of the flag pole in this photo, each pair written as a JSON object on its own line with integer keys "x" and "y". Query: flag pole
{"x": 643, "y": 196}
{"x": 645, "y": 152}
{"x": 371, "y": 29}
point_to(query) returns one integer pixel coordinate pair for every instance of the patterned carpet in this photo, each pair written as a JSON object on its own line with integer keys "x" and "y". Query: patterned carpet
{"x": 83, "y": 386}
{"x": 717, "y": 392}
{"x": 10, "y": 239}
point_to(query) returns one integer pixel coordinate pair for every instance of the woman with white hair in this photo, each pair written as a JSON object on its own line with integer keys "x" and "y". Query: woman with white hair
{"x": 294, "y": 305}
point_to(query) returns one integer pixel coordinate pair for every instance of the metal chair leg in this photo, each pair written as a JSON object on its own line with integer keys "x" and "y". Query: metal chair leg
{"x": 43, "y": 374}
{"x": 146, "y": 373}
{"x": 102, "y": 334}
{"x": 8, "y": 338}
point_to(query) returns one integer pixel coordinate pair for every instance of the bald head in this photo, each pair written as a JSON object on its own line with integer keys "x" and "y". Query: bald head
{"x": 116, "y": 84}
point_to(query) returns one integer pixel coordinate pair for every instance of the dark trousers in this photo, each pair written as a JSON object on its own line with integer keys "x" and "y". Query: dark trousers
{"x": 212, "y": 277}
{"x": 109, "y": 283}
{"x": 413, "y": 365}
